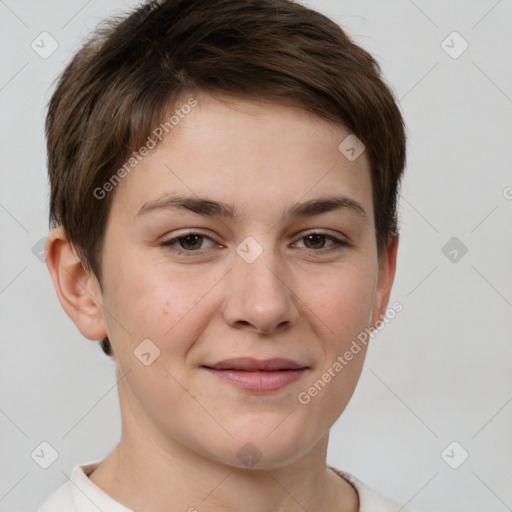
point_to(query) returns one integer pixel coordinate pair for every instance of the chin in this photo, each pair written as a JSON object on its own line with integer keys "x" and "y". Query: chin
{"x": 257, "y": 450}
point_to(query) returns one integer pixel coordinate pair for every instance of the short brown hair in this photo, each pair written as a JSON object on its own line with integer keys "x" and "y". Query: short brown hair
{"x": 131, "y": 72}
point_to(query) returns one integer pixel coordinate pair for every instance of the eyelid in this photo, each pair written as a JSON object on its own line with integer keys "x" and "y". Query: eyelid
{"x": 191, "y": 231}
{"x": 315, "y": 231}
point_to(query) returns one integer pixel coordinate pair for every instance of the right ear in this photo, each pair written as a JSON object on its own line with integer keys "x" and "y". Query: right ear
{"x": 78, "y": 290}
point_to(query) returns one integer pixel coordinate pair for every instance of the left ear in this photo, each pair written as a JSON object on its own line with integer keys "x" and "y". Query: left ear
{"x": 386, "y": 277}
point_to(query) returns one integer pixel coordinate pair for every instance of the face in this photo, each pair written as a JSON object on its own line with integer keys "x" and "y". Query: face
{"x": 248, "y": 274}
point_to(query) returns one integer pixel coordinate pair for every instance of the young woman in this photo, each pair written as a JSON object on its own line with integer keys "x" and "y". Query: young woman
{"x": 224, "y": 180}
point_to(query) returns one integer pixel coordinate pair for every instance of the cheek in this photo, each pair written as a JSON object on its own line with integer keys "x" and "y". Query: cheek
{"x": 170, "y": 307}
{"x": 342, "y": 306}
{"x": 343, "y": 302}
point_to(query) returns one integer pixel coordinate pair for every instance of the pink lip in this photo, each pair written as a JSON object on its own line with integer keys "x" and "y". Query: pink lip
{"x": 257, "y": 375}
{"x": 252, "y": 364}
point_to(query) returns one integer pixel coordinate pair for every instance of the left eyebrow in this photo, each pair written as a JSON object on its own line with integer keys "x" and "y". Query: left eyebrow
{"x": 210, "y": 208}
{"x": 324, "y": 205}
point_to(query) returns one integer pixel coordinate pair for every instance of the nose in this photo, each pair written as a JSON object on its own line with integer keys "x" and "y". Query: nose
{"x": 260, "y": 296}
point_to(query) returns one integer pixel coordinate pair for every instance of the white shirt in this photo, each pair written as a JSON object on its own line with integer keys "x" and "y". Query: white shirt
{"x": 80, "y": 494}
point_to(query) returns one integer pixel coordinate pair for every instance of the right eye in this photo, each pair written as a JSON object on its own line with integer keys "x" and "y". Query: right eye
{"x": 190, "y": 242}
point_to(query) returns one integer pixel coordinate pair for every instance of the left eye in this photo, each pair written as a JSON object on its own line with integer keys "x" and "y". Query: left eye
{"x": 318, "y": 239}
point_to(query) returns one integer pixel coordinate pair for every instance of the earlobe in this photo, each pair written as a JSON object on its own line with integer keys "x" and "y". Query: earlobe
{"x": 386, "y": 278}
{"x": 77, "y": 289}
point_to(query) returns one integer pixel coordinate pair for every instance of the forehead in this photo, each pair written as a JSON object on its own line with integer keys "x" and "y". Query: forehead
{"x": 261, "y": 155}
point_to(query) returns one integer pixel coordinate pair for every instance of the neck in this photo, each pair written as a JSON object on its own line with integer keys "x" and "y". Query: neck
{"x": 141, "y": 482}
{"x": 149, "y": 470}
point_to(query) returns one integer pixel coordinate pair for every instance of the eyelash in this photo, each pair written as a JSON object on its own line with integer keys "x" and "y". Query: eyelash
{"x": 172, "y": 244}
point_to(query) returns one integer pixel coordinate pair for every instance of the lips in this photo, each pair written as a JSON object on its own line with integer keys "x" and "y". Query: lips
{"x": 250, "y": 364}
{"x": 256, "y": 375}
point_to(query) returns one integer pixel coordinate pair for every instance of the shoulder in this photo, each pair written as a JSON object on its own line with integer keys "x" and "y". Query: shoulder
{"x": 80, "y": 494}
{"x": 369, "y": 499}
{"x": 60, "y": 500}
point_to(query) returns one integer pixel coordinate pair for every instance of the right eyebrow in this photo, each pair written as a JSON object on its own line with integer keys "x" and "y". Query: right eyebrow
{"x": 202, "y": 206}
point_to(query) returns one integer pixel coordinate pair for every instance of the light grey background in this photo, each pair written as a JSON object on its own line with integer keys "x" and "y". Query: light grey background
{"x": 440, "y": 372}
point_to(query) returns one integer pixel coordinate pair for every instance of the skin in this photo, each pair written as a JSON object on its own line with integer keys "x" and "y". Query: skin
{"x": 305, "y": 300}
